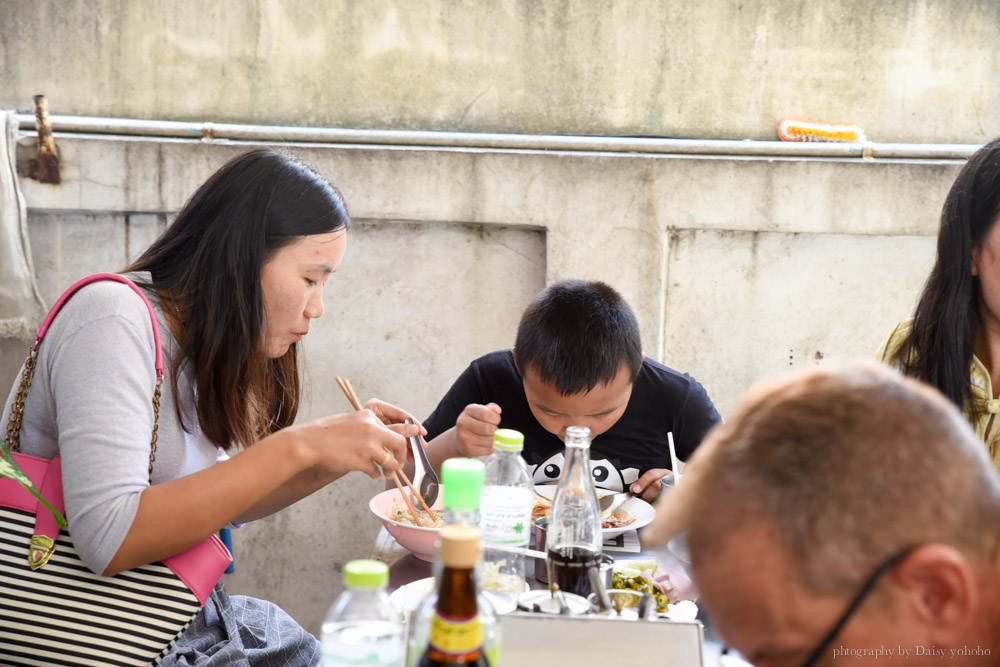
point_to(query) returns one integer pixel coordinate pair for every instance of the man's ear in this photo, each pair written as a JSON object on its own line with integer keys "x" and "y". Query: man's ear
{"x": 939, "y": 586}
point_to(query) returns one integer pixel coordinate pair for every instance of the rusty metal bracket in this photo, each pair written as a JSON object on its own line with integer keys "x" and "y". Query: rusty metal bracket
{"x": 207, "y": 132}
{"x": 44, "y": 168}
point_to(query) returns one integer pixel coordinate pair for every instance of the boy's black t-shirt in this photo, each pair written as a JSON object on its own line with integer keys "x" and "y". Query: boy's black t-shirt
{"x": 662, "y": 401}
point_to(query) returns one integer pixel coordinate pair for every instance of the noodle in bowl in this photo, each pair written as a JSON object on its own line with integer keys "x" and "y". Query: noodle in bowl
{"x": 420, "y": 540}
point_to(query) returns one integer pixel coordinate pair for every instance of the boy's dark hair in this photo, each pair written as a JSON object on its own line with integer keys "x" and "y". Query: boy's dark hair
{"x": 578, "y": 334}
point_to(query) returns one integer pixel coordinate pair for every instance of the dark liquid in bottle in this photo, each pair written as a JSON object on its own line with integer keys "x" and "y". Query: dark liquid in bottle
{"x": 570, "y": 568}
{"x": 479, "y": 660}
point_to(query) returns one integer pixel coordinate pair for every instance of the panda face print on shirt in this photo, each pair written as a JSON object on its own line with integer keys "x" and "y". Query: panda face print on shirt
{"x": 605, "y": 473}
{"x": 548, "y": 471}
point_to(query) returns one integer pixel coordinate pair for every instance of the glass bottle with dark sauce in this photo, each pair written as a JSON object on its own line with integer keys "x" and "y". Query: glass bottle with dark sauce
{"x": 574, "y": 539}
{"x": 456, "y": 633}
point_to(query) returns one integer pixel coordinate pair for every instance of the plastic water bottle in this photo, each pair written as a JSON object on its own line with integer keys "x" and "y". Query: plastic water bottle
{"x": 508, "y": 498}
{"x": 462, "y": 487}
{"x": 363, "y": 627}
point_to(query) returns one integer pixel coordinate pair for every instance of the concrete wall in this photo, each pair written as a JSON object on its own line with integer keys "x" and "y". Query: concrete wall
{"x": 738, "y": 269}
{"x": 905, "y": 70}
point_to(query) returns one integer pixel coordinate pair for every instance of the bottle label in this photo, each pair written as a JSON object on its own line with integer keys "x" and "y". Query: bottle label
{"x": 456, "y": 636}
{"x": 374, "y": 643}
{"x": 347, "y": 655}
{"x": 506, "y": 514}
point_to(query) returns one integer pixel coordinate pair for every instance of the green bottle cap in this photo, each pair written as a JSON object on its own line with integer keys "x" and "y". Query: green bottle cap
{"x": 462, "y": 479}
{"x": 366, "y": 574}
{"x": 508, "y": 439}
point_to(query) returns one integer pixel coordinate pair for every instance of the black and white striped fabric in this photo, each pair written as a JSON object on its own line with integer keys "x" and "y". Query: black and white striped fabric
{"x": 64, "y": 614}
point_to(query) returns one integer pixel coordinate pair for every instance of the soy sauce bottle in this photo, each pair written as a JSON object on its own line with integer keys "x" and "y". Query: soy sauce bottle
{"x": 456, "y": 634}
{"x": 574, "y": 539}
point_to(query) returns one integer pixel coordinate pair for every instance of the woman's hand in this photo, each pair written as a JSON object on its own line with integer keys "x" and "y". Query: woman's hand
{"x": 257, "y": 481}
{"x": 359, "y": 440}
{"x": 392, "y": 416}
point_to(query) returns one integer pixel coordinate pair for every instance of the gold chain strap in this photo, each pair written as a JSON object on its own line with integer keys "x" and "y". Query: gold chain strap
{"x": 156, "y": 421}
{"x": 17, "y": 410}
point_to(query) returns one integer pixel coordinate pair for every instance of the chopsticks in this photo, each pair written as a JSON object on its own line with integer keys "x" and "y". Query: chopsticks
{"x": 348, "y": 389}
{"x": 352, "y": 396}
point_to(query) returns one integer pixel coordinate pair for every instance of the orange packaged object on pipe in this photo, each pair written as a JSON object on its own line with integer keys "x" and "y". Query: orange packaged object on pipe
{"x": 801, "y": 130}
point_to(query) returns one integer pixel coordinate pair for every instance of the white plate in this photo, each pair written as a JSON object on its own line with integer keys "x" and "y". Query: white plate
{"x": 408, "y": 597}
{"x": 637, "y": 507}
{"x": 684, "y": 611}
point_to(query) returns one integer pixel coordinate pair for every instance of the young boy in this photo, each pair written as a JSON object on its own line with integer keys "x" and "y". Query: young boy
{"x": 577, "y": 361}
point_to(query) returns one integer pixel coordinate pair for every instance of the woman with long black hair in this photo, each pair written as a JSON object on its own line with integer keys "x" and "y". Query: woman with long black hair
{"x": 953, "y": 340}
{"x": 234, "y": 283}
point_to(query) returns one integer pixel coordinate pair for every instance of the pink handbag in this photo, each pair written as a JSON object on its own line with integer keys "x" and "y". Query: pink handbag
{"x": 53, "y": 609}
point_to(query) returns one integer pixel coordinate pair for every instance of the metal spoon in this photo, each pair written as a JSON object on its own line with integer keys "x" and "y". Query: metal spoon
{"x": 508, "y": 548}
{"x": 555, "y": 591}
{"x": 647, "y": 607}
{"x": 553, "y": 605}
{"x": 564, "y": 609}
{"x": 612, "y": 501}
{"x": 425, "y": 480}
{"x": 597, "y": 587}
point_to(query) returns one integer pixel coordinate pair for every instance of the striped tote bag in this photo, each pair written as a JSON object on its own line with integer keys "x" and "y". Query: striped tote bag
{"x": 53, "y": 609}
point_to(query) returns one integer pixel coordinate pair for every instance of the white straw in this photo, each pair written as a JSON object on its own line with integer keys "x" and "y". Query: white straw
{"x": 674, "y": 463}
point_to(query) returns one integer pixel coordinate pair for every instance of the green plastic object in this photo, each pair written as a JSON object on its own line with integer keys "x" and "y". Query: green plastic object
{"x": 366, "y": 574}
{"x": 508, "y": 439}
{"x": 462, "y": 479}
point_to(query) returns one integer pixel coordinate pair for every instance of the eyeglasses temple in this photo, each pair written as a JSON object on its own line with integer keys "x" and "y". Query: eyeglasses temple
{"x": 886, "y": 565}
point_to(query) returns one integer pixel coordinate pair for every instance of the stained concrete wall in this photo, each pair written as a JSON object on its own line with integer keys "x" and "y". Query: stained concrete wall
{"x": 908, "y": 71}
{"x": 738, "y": 269}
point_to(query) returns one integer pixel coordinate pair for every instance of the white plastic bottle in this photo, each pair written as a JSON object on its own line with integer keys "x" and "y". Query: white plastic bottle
{"x": 461, "y": 486}
{"x": 363, "y": 627}
{"x": 508, "y": 497}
